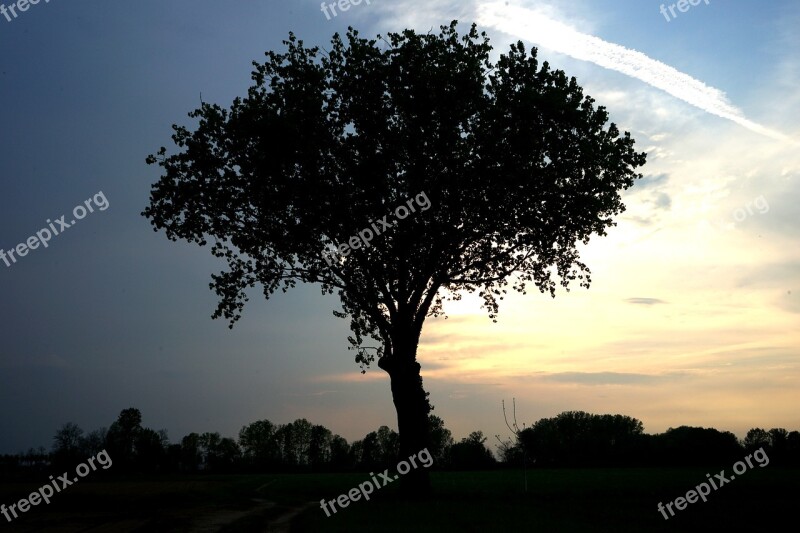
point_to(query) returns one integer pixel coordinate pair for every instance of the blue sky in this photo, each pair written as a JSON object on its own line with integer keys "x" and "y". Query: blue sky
{"x": 692, "y": 317}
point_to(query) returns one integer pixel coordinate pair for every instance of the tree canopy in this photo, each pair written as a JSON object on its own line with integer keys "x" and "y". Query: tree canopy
{"x": 514, "y": 157}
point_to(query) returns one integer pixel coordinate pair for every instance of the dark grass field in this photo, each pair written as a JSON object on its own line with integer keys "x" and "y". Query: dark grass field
{"x": 557, "y": 500}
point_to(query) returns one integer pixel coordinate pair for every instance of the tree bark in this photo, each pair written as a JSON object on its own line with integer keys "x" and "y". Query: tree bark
{"x": 413, "y": 407}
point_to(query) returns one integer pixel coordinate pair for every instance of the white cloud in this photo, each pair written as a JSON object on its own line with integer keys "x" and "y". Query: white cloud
{"x": 537, "y": 27}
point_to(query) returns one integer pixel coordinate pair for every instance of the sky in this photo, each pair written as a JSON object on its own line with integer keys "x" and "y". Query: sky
{"x": 693, "y": 313}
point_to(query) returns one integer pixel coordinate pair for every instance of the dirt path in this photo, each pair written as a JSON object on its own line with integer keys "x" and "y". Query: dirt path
{"x": 212, "y": 523}
{"x": 283, "y": 523}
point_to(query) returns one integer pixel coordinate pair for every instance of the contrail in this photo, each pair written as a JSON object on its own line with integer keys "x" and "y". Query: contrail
{"x": 538, "y": 28}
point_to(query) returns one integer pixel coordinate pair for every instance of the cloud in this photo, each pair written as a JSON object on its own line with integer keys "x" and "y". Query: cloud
{"x": 609, "y": 378}
{"x": 652, "y": 180}
{"x": 645, "y": 301}
{"x": 662, "y": 200}
{"x": 781, "y": 275}
{"x": 319, "y": 393}
{"x": 789, "y": 303}
{"x": 537, "y": 27}
{"x": 373, "y": 374}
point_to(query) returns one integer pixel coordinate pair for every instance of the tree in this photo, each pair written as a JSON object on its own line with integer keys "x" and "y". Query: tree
{"x": 516, "y": 166}
{"x": 389, "y": 443}
{"x": 94, "y": 442}
{"x": 67, "y": 444}
{"x": 779, "y": 443}
{"x": 340, "y": 453}
{"x": 371, "y": 457}
{"x": 68, "y": 438}
{"x": 150, "y": 450}
{"x": 793, "y": 447}
{"x": 208, "y": 444}
{"x": 756, "y": 438}
{"x": 258, "y": 444}
{"x": 471, "y": 452}
{"x": 294, "y": 440}
{"x": 577, "y": 438}
{"x": 36, "y": 459}
{"x": 356, "y": 453}
{"x": 514, "y": 452}
{"x": 190, "y": 454}
{"x": 122, "y": 435}
{"x": 319, "y": 448}
{"x": 220, "y": 454}
{"x": 441, "y": 440}
{"x": 690, "y": 446}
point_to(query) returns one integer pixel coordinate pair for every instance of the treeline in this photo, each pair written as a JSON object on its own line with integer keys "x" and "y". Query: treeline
{"x": 571, "y": 439}
{"x": 579, "y": 439}
{"x": 262, "y": 446}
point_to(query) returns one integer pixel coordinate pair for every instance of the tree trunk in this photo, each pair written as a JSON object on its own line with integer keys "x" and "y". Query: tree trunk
{"x": 411, "y": 402}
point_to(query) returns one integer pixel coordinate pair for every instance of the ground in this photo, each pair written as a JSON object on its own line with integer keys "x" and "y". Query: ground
{"x": 617, "y": 500}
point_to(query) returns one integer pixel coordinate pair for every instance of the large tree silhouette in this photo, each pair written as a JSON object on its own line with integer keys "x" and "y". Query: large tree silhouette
{"x": 518, "y": 166}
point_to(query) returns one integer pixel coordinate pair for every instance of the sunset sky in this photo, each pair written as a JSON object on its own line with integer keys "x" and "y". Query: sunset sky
{"x": 693, "y": 313}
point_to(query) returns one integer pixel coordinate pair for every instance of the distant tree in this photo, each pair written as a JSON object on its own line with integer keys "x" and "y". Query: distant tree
{"x": 793, "y": 447}
{"x": 191, "y": 456}
{"x": 577, "y": 438}
{"x": 294, "y": 440}
{"x": 10, "y": 465}
{"x": 150, "y": 452}
{"x": 778, "y": 446}
{"x": 510, "y": 452}
{"x": 371, "y": 453}
{"x": 756, "y": 438}
{"x": 514, "y": 452}
{"x": 214, "y": 452}
{"x": 67, "y": 444}
{"x": 777, "y": 439}
{"x": 471, "y": 452}
{"x": 380, "y": 449}
{"x": 687, "y": 446}
{"x": 130, "y": 420}
{"x": 441, "y": 440}
{"x": 132, "y": 446}
{"x": 543, "y": 442}
{"x": 259, "y": 445}
{"x": 172, "y": 462}
{"x": 35, "y": 459}
{"x": 357, "y": 454}
{"x": 219, "y": 454}
{"x": 616, "y": 440}
{"x": 519, "y": 166}
{"x": 94, "y": 442}
{"x": 225, "y": 456}
{"x": 340, "y": 454}
{"x": 208, "y": 442}
{"x": 389, "y": 445}
{"x": 163, "y": 435}
{"x": 68, "y": 438}
{"x": 121, "y": 438}
{"x": 319, "y": 449}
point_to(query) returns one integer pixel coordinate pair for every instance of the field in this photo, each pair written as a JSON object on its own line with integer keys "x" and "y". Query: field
{"x": 616, "y": 500}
